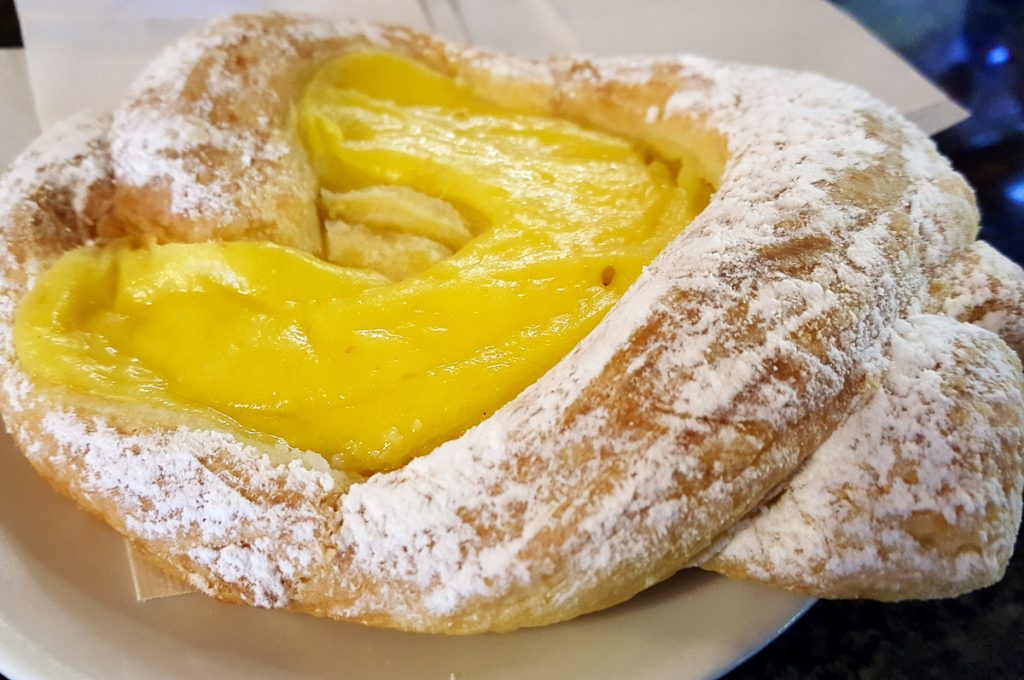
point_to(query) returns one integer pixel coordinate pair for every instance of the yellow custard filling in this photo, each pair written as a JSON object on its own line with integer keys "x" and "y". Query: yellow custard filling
{"x": 472, "y": 248}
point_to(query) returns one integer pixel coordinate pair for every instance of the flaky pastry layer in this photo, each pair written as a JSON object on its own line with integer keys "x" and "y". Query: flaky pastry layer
{"x": 746, "y": 344}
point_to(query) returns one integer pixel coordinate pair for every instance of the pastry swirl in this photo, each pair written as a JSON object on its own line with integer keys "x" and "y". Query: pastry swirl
{"x": 745, "y": 345}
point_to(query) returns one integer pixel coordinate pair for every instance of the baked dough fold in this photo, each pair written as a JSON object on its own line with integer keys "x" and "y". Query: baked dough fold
{"x": 746, "y": 346}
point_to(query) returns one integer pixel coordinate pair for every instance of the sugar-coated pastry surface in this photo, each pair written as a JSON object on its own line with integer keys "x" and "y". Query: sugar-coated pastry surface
{"x": 922, "y": 514}
{"x": 798, "y": 306}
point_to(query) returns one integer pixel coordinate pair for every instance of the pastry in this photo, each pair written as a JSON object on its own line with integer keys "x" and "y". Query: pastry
{"x": 708, "y": 364}
{"x": 924, "y": 515}
{"x": 892, "y": 506}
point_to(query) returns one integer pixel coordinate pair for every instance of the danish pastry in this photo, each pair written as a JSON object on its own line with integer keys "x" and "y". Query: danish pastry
{"x": 708, "y": 274}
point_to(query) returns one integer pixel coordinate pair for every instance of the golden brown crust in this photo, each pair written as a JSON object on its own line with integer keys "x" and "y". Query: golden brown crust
{"x": 739, "y": 351}
{"x": 984, "y": 288}
{"x": 932, "y": 509}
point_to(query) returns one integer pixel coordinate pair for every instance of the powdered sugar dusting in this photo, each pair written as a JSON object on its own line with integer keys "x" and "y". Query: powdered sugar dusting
{"x": 71, "y": 156}
{"x": 789, "y": 143}
{"x": 728, "y": 360}
{"x": 987, "y": 289}
{"x": 69, "y": 163}
{"x": 166, "y": 493}
{"x": 156, "y": 146}
{"x": 159, "y": 479}
{"x": 144, "y": 158}
{"x": 892, "y": 504}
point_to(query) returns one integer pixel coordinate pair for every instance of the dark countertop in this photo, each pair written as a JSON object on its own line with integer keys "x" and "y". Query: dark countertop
{"x": 979, "y": 635}
{"x": 975, "y": 51}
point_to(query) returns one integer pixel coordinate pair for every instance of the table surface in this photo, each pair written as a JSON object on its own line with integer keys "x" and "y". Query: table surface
{"x": 975, "y": 52}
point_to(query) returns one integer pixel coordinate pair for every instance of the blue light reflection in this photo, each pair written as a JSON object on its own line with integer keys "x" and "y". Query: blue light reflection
{"x": 1015, "y": 190}
{"x": 1000, "y": 54}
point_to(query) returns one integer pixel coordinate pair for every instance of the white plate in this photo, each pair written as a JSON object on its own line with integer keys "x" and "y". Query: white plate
{"x": 67, "y": 609}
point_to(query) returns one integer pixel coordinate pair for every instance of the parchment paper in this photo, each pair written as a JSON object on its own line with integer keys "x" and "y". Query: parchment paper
{"x": 17, "y": 114}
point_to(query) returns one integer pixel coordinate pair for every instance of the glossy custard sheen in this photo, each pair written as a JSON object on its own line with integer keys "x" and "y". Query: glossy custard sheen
{"x": 472, "y": 248}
